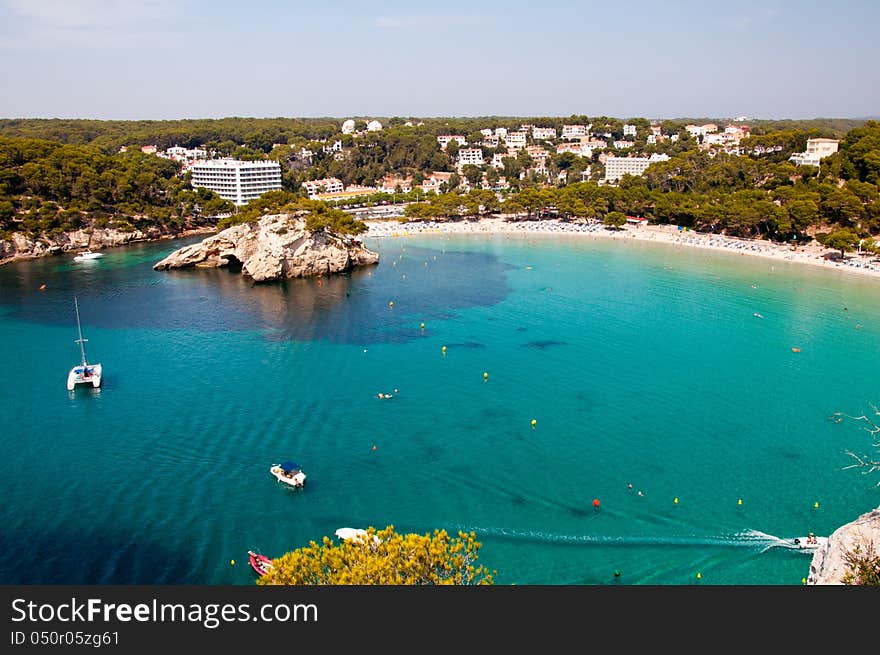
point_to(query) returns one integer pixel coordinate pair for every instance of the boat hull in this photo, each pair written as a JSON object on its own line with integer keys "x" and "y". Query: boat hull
{"x": 76, "y": 377}
{"x": 297, "y": 480}
{"x": 87, "y": 256}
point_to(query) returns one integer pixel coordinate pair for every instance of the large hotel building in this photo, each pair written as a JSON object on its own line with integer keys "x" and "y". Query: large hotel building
{"x": 238, "y": 181}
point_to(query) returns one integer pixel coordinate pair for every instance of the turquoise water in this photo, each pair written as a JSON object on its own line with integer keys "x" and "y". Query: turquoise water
{"x": 642, "y": 364}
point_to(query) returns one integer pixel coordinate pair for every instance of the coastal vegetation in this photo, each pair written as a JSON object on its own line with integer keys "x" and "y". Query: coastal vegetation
{"x": 383, "y": 557}
{"x": 321, "y": 215}
{"x": 716, "y": 192}
{"x": 74, "y": 176}
{"x": 47, "y": 188}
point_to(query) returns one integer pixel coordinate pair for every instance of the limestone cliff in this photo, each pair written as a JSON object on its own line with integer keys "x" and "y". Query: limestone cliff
{"x": 276, "y": 247}
{"x": 829, "y": 564}
{"x": 21, "y": 246}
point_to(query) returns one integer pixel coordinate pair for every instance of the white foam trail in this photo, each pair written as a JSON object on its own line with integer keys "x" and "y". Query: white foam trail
{"x": 749, "y": 538}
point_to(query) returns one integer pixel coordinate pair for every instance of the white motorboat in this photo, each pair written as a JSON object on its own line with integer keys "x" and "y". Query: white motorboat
{"x": 87, "y": 255}
{"x": 84, "y": 373}
{"x": 809, "y": 543}
{"x": 354, "y": 534}
{"x": 289, "y": 473}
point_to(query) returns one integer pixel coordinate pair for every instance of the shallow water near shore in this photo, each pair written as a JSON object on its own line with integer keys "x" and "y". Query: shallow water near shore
{"x": 641, "y": 364}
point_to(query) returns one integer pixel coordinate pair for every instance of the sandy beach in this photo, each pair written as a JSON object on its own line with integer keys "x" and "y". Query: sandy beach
{"x": 813, "y": 254}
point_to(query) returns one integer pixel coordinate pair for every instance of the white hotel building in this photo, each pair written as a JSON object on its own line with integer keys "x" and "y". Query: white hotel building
{"x": 238, "y": 181}
{"x": 617, "y": 167}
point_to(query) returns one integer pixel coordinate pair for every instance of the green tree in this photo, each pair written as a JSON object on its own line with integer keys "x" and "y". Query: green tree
{"x": 845, "y": 240}
{"x": 614, "y": 219}
{"x": 473, "y": 174}
{"x": 383, "y": 557}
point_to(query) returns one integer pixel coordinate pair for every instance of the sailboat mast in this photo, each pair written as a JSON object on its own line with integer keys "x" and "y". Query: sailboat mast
{"x": 80, "y": 341}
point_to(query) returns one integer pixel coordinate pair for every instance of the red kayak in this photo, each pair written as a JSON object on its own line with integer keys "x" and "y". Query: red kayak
{"x": 260, "y": 563}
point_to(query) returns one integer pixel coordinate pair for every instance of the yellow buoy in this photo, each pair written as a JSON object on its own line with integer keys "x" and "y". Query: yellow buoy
{"x": 391, "y": 304}
{"x": 232, "y": 561}
{"x": 422, "y": 326}
{"x": 803, "y": 581}
{"x": 699, "y": 576}
{"x": 485, "y": 376}
{"x": 534, "y": 423}
{"x": 816, "y": 505}
{"x": 675, "y": 500}
{"x": 739, "y": 502}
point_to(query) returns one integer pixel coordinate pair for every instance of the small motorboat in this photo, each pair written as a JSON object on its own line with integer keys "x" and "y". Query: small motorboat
{"x": 809, "y": 543}
{"x": 354, "y": 534}
{"x": 260, "y": 563}
{"x": 87, "y": 255}
{"x": 289, "y": 473}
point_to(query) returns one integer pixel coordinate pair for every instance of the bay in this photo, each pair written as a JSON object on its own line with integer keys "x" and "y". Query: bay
{"x": 642, "y": 364}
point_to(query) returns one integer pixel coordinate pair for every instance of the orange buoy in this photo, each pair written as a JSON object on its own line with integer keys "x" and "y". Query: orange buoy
{"x": 595, "y": 502}
{"x": 795, "y": 349}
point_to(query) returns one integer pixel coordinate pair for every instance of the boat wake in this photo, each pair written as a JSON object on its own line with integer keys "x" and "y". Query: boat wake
{"x": 747, "y": 539}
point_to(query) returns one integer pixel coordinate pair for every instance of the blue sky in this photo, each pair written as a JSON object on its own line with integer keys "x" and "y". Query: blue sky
{"x": 673, "y": 58}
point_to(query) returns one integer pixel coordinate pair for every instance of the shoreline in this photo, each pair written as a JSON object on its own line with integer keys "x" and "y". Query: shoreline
{"x": 72, "y": 249}
{"x": 813, "y": 253}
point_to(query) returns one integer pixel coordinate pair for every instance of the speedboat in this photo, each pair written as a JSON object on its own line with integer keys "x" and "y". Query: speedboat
{"x": 87, "y": 255}
{"x": 810, "y": 544}
{"x": 289, "y": 473}
{"x": 260, "y": 563}
{"x": 84, "y": 373}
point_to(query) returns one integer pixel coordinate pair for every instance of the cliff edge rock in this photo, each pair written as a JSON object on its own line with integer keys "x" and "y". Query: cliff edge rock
{"x": 829, "y": 562}
{"x": 275, "y": 247}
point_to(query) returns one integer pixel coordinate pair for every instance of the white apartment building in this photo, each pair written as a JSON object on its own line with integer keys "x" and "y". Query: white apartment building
{"x": 543, "y": 133}
{"x": 629, "y": 130}
{"x": 445, "y": 139}
{"x": 324, "y": 185}
{"x": 624, "y": 144}
{"x": 491, "y": 141}
{"x": 594, "y": 144}
{"x": 470, "y": 156}
{"x": 486, "y": 131}
{"x": 516, "y": 139}
{"x": 577, "y": 148}
{"x": 817, "y": 149}
{"x": 538, "y": 154}
{"x": 181, "y": 153}
{"x": 574, "y": 131}
{"x": 501, "y": 132}
{"x": 237, "y": 181}
{"x": 617, "y": 167}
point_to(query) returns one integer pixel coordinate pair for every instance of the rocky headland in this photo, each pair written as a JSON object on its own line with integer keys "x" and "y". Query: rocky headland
{"x": 276, "y": 247}
{"x": 829, "y": 564}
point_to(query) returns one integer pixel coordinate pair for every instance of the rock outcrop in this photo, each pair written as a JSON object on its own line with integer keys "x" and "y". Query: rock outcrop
{"x": 829, "y": 562}
{"x": 22, "y": 246}
{"x": 274, "y": 248}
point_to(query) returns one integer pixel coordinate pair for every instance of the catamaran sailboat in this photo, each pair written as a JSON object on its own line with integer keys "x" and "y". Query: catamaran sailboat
{"x": 84, "y": 373}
